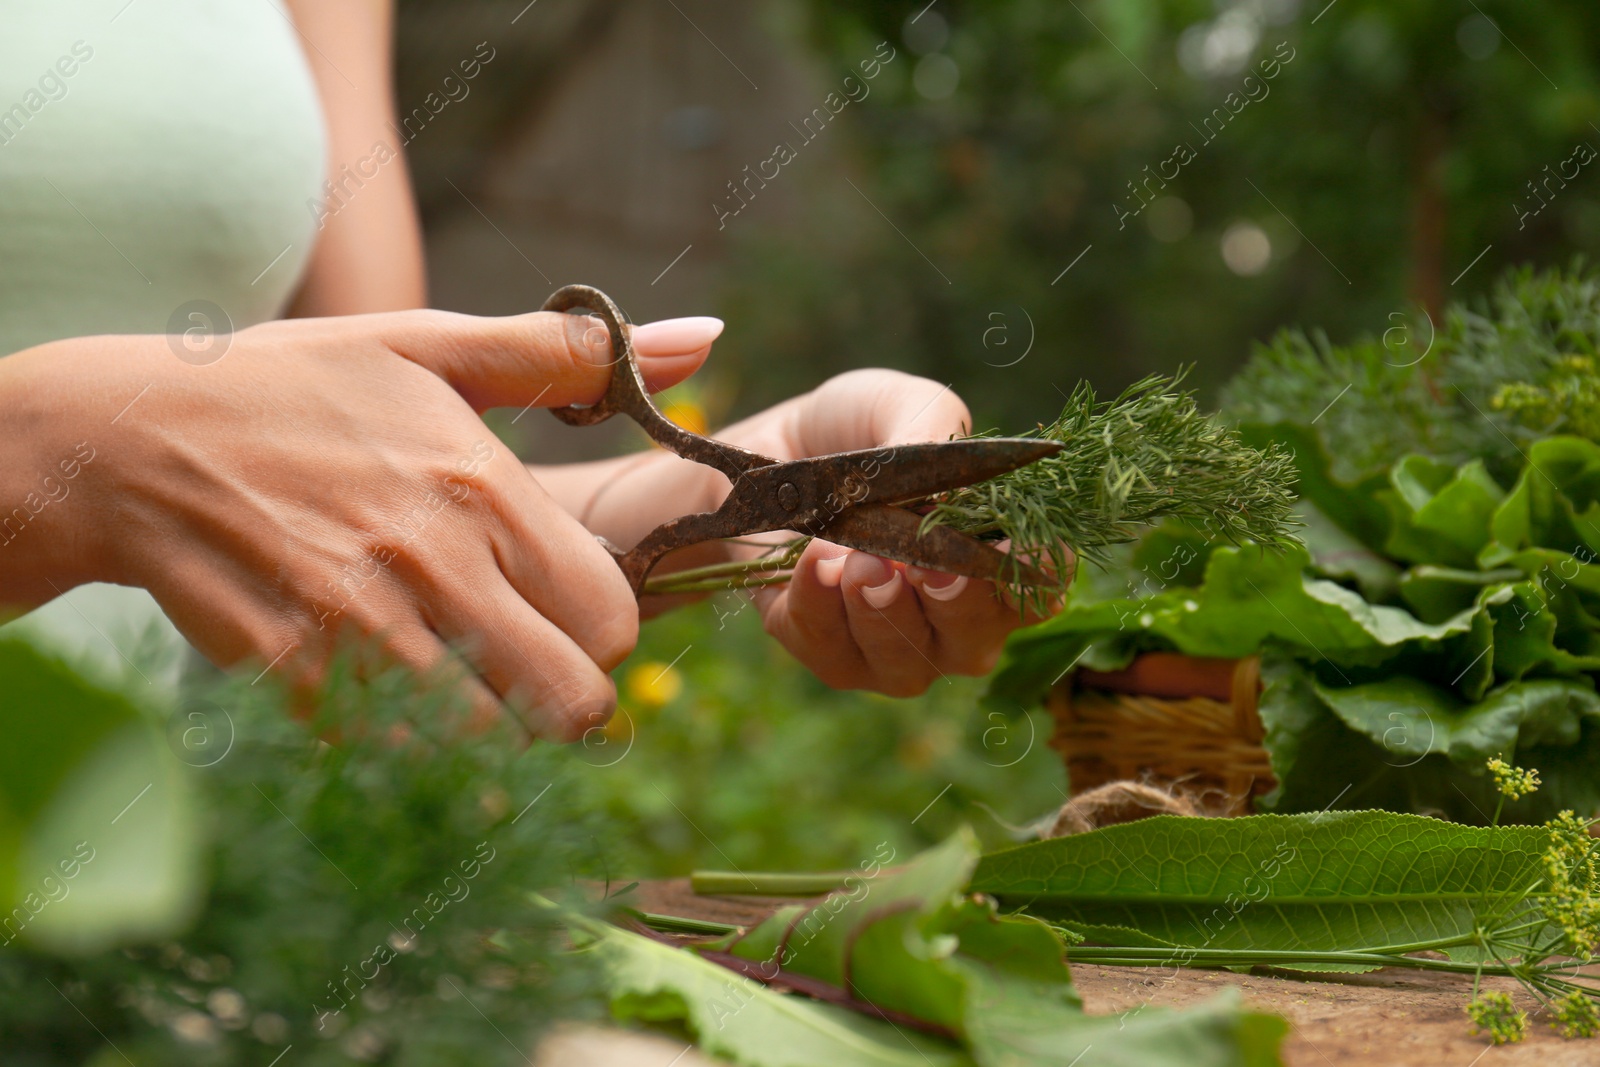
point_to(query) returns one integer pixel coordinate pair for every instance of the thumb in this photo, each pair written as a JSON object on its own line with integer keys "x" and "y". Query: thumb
{"x": 872, "y": 407}
{"x": 545, "y": 358}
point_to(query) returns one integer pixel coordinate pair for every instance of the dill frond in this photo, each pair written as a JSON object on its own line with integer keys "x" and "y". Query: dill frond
{"x": 1483, "y": 383}
{"x": 1133, "y": 462}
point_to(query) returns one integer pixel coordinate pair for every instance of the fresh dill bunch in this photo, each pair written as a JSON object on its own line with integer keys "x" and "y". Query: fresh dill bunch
{"x": 1365, "y": 401}
{"x": 1495, "y": 1014}
{"x": 1490, "y": 378}
{"x": 1130, "y": 463}
{"x": 368, "y": 899}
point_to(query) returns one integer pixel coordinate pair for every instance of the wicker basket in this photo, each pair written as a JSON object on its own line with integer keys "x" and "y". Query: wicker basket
{"x": 1169, "y": 720}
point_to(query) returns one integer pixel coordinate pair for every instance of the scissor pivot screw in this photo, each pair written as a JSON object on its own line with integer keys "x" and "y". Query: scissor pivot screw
{"x": 788, "y": 496}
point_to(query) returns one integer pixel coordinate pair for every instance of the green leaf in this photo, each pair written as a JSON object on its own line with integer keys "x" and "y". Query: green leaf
{"x": 742, "y": 1020}
{"x": 1437, "y": 513}
{"x": 1436, "y": 593}
{"x": 1171, "y": 554}
{"x": 98, "y": 836}
{"x": 1405, "y": 745}
{"x": 1334, "y": 881}
{"x": 1410, "y": 717}
{"x": 1338, "y": 555}
{"x": 1353, "y": 506}
{"x": 1554, "y": 503}
{"x": 882, "y": 937}
{"x": 1250, "y": 598}
{"x": 1215, "y": 1033}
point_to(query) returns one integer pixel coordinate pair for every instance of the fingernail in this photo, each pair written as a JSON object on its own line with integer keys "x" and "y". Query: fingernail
{"x": 829, "y": 571}
{"x": 881, "y": 596}
{"x": 949, "y": 591}
{"x": 676, "y": 337}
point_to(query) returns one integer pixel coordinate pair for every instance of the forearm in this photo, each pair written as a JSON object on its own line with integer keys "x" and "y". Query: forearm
{"x": 623, "y": 499}
{"x": 368, "y": 255}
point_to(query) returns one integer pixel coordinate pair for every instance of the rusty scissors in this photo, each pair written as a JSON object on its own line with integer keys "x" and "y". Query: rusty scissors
{"x": 849, "y": 498}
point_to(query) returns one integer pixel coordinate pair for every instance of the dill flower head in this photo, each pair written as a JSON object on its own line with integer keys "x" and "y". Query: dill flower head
{"x": 1576, "y": 1015}
{"x": 1566, "y": 398}
{"x": 1572, "y": 865}
{"x": 1494, "y": 1014}
{"x": 1514, "y": 783}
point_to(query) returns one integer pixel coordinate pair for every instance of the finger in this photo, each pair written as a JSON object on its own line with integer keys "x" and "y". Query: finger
{"x": 868, "y": 408}
{"x": 320, "y": 664}
{"x": 540, "y": 673}
{"x": 888, "y": 625}
{"x": 546, "y": 358}
{"x": 1029, "y": 611}
{"x": 969, "y": 622}
{"x": 425, "y": 654}
{"x": 553, "y": 562}
{"x": 807, "y": 615}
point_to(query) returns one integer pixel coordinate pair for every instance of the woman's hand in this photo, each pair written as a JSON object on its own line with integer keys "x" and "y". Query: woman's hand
{"x": 331, "y": 474}
{"x": 858, "y": 621}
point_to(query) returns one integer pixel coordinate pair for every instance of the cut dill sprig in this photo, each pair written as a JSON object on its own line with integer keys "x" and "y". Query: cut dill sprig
{"x": 1130, "y": 463}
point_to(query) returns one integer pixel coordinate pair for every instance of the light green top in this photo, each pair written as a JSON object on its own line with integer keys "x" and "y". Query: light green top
{"x": 153, "y": 153}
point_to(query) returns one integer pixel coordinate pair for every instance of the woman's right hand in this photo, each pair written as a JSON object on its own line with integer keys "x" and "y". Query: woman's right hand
{"x": 332, "y": 474}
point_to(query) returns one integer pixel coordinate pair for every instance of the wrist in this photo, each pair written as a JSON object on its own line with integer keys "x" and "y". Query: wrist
{"x": 50, "y": 483}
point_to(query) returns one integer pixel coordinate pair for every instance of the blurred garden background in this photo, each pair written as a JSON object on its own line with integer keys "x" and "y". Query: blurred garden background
{"x": 1022, "y": 195}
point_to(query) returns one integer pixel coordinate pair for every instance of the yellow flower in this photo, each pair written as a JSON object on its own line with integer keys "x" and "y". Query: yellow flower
{"x": 653, "y": 684}
{"x": 688, "y": 414}
{"x": 1576, "y": 1016}
{"x": 1572, "y": 900}
{"x": 620, "y": 728}
{"x": 1514, "y": 783}
{"x": 1495, "y": 1015}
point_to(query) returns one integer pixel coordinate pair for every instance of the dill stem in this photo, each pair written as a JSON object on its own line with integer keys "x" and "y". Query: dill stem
{"x": 767, "y": 885}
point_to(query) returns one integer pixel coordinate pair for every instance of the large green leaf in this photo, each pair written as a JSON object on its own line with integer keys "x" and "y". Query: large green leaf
{"x": 742, "y": 1020}
{"x": 1555, "y": 503}
{"x": 1405, "y": 745}
{"x": 1250, "y": 598}
{"x": 1014, "y": 1032}
{"x": 1336, "y": 554}
{"x": 1335, "y": 881}
{"x": 1412, "y": 718}
{"x": 1436, "y": 593}
{"x": 1438, "y": 513}
{"x": 98, "y": 837}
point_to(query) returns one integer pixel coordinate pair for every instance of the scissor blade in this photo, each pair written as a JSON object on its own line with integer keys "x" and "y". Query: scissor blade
{"x": 898, "y": 473}
{"x": 895, "y": 533}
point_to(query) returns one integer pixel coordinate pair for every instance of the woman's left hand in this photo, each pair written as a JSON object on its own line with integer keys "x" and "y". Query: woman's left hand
{"x": 857, "y": 620}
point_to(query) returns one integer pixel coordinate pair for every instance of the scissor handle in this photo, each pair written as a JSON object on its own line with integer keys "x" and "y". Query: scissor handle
{"x": 626, "y": 393}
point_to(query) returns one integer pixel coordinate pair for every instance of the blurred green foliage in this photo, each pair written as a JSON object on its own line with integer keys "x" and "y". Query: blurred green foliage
{"x": 1395, "y": 143}
{"x": 753, "y": 763}
{"x": 346, "y": 893}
